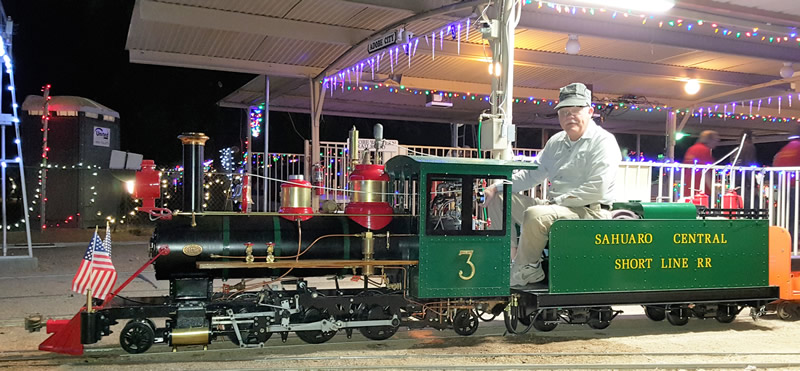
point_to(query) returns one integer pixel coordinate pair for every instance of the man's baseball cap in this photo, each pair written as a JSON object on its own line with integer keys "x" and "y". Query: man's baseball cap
{"x": 574, "y": 95}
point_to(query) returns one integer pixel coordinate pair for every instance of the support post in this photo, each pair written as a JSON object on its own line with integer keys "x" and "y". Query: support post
{"x": 502, "y": 99}
{"x": 317, "y": 98}
{"x": 671, "y": 124}
{"x": 638, "y": 145}
{"x": 45, "y": 149}
{"x": 266, "y": 142}
{"x": 248, "y": 169}
{"x": 3, "y": 180}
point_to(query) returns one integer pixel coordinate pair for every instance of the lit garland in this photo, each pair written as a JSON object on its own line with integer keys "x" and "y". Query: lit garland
{"x": 256, "y": 120}
{"x": 372, "y": 64}
{"x": 647, "y": 108}
{"x": 662, "y": 22}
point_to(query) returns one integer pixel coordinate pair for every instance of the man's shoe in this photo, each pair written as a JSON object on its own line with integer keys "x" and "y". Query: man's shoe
{"x": 528, "y": 274}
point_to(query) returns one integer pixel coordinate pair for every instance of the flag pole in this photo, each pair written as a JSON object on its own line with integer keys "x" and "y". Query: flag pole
{"x": 91, "y": 274}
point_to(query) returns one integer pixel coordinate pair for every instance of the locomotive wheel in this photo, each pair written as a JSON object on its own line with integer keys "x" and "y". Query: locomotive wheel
{"x": 677, "y": 316}
{"x": 788, "y": 311}
{"x": 378, "y": 332}
{"x": 465, "y": 322}
{"x": 511, "y": 320}
{"x": 137, "y": 336}
{"x": 655, "y": 312}
{"x": 540, "y": 324}
{"x": 315, "y": 336}
{"x": 726, "y": 313}
{"x": 595, "y": 319}
{"x": 260, "y": 330}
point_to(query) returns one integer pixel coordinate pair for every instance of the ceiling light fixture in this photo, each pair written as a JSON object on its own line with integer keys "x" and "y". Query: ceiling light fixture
{"x": 692, "y": 87}
{"x": 650, "y": 6}
{"x": 787, "y": 71}
{"x": 573, "y": 45}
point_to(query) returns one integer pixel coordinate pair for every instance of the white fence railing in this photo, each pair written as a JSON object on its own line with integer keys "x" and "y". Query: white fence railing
{"x": 776, "y": 190}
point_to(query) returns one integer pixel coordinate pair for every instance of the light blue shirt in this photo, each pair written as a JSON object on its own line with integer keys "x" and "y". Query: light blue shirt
{"x": 580, "y": 173}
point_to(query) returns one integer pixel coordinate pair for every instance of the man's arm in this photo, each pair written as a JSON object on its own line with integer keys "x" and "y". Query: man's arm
{"x": 527, "y": 179}
{"x": 524, "y": 179}
{"x": 606, "y": 158}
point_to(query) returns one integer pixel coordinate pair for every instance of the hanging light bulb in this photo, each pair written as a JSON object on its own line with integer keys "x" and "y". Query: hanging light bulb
{"x": 787, "y": 71}
{"x": 692, "y": 87}
{"x": 573, "y": 45}
{"x": 494, "y": 69}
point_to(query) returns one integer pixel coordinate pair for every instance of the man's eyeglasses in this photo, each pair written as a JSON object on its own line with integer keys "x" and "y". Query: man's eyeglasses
{"x": 566, "y": 111}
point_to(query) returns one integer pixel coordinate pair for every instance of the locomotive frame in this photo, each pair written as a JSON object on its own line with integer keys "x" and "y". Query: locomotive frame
{"x": 443, "y": 265}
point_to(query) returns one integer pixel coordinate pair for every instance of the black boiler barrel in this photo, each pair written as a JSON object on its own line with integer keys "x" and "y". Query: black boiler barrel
{"x": 227, "y": 235}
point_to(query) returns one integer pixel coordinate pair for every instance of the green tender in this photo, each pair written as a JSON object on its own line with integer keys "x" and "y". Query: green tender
{"x": 639, "y": 255}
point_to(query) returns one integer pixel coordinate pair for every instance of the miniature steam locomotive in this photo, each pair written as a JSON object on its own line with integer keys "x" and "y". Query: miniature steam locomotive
{"x": 424, "y": 255}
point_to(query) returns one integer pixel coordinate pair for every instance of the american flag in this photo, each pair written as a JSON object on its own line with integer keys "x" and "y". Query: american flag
{"x": 96, "y": 271}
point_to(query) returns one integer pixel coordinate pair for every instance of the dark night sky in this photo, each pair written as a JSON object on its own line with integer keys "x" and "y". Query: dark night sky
{"x": 78, "y": 46}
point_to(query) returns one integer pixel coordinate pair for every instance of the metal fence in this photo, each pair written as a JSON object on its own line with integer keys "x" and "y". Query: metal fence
{"x": 774, "y": 189}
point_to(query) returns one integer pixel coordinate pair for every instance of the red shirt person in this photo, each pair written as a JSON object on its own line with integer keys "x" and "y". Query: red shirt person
{"x": 700, "y": 153}
{"x": 789, "y": 155}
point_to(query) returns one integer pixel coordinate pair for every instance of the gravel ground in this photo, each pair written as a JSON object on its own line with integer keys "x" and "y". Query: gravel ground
{"x": 632, "y": 341}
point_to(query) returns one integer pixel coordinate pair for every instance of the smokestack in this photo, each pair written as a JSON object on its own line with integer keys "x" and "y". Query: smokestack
{"x": 193, "y": 146}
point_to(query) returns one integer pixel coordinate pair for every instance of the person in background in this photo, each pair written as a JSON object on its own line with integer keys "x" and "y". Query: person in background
{"x": 581, "y": 164}
{"x": 747, "y": 157}
{"x": 789, "y": 155}
{"x": 700, "y": 153}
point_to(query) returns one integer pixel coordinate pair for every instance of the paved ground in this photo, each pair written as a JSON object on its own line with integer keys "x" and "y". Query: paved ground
{"x": 632, "y": 341}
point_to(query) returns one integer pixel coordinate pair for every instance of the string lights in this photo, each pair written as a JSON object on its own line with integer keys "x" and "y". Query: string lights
{"x": 690, "y": 25}
{"x": 256, "y": 120}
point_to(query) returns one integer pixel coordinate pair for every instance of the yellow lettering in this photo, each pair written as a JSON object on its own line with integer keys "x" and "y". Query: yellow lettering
{"x": 605, "y": 239}
{"x": 674, "y": 239}
{"x": 662, "y": 264}
{"x": 691, "y": 239}
{"x": 683, "y": 238}
{"x": 708, "y": 237}
{"x": 700, "y": 263}
{"x": 723, "y": 238}
{"x": 684, "y": 263}
{"x": 632, "y": 263}
{"x": 708, "y": 262}
{"x": 648, "y": 238}
{"x": 615, "y": 239}
{"x": 597, "y": 240}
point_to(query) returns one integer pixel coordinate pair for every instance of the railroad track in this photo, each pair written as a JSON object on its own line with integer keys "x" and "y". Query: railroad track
{"x": 305, "y": 358}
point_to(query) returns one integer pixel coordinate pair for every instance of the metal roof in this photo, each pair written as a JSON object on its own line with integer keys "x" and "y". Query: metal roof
{"x": 67, "y": 103}
{"x": 627, "y": 58}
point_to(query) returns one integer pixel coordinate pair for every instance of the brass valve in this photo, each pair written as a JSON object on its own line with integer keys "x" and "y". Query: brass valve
{"x": 270, "y": 252}
{"x": 249, "y": 252}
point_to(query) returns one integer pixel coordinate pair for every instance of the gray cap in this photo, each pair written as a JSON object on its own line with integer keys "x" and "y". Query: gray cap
{"x": 574, "y": 95}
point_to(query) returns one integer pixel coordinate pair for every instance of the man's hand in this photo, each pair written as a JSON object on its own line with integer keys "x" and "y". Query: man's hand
{"x": 488, "y": 194}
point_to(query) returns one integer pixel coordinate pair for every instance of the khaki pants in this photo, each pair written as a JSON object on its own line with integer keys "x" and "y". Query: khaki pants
{"x": 536, "y": 218}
